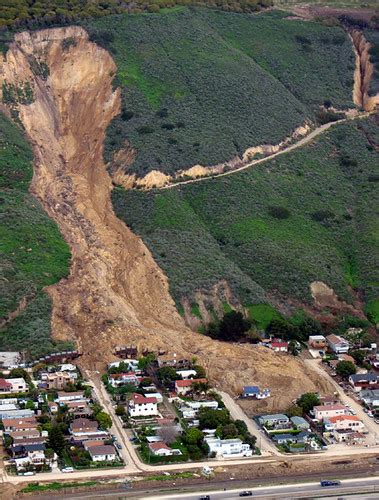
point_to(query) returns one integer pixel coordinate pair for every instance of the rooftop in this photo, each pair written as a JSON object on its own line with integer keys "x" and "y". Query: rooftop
{"x": 158, "y": 445}
{"x": 103, "y": 449}
{"x": 329, "y": 407}
{"x": 189, "y": 382}
{"x": 139, "y": 399}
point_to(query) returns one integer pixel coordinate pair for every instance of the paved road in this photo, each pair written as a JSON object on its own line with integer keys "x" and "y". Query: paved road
{"x": 371, "y": 426}
{"x": 263, "y": 442}
{"x": 300, "y": 490}
{"x": 302, "y": 142}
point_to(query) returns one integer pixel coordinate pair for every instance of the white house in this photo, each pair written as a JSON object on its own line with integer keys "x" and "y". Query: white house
{"x": 102, "y": 453}
{"x": 141, "y": 406}
{"x": 196, "y": 405}
{"x": 187, "y": 412}
{"x": 228, "y": 447}
{"x": 343, "y": 422}
{"x": 279, "y": 346}
{"x": 337, "y": 344}
{"x": 160, "y": 449}
{"x": 131, "y": 363}
{"x": 63, "y": 397}
{"x": 118, "y": 379}
{"x": 329, "y": 411}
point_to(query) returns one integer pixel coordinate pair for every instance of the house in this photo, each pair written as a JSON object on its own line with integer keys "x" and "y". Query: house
{"x": 132, "y": 364}
{"x": 228, "y": 447}
{"x": 185, "y": 374}
{"x": 276, "y": 421}
{"x": 57, "y": 380}
{"x": 79, "y": 409}
{"x": 253, "y": 391}
{"x": 8, "y": 401}
{"x": 187, "y": 412}
{"x": 329, "y": 400}
{"x": 317, "y": 342}
{"x": 160, "y": 449}
{"x": 12, "y": 385}
{"x": 370, "y": 397}
{"x": 345, "y": 422}
{"x": 361, "y": 381}
{"x": 157, "y": 395}
{"x": 83, "y": 426}
{"x": 327, "y": 411}
{"x": 348, "y": 435}
{"x": 196, "y": 405}
{"x": 92, "y": 442}
{"x": 53, "y": 407}
{"x": 22, "y": 450}
{"x": 118, "y": 379}
{"x": 16, "y": 413}
{"x": 19, "y": 424}
{"x": 67, "y": 367}
{"x": 102, "y": 453}
{"x": 23, "y": 435}
{"x": 35, "y": 458}
{"x": 63, "y": 397}
{"x": 28, "y": 440}
{"x": 279, "y": 346}
{"x": 300, "y": 423}
{"x": 302, "y": 437}
{"x": 337, "y": 344}
{"x": 346, "y": 357}
{"x": 183, "y": 387}
{"x": 141, "y": 406}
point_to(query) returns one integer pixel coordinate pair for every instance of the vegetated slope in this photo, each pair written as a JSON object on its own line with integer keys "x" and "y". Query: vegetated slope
{"x": 115, "y": 294}
{"x": 195, "y": 91}
{"x": 32, "y": 252}
{"x": 305, "y": 216}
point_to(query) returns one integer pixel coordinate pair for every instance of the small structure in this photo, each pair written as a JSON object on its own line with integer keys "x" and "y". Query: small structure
{"x": 346, "y": 357}
{"x": 348, "y": 435}
{"x": 64, "y": 397}
{"x": 345, "y": 422}
{"x": 228, "y": 447}
{"x": 119, "y": 379}
{"x": 102, "y": 453}
{"x": 185, "y": 374}
{"x": 253, "y": 391}
{"x": 317, "y": 342}
{"x": 329, "y": 400}
{"x": 141, "y": 406}
{"x": 322, "y": 412}
{"x": 126, "y": 352}
{"x": 337, "y": 344}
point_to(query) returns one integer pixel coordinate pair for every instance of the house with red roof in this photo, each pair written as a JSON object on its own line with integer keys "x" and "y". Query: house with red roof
{"x": 161, "y": 449}
{"x": 5, "y": 386}
{"x": 279, "y": 346}
{"x": 183, "y": 387}
{"x": 142, "y": 406}
{"x": 344, "y": 422}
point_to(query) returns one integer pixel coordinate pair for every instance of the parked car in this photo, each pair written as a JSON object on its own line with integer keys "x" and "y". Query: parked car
{"x": 370, "y": 414}
{"x": 68, "y": 469}
{"x": 246, "y": 493}
{"x": 118, "y": 445}
{"x": 330, "y": 483}
{"x": 30, "y": 473}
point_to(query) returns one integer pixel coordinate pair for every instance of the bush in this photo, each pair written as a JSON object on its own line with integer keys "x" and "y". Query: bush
{"x": 279, "y": 212}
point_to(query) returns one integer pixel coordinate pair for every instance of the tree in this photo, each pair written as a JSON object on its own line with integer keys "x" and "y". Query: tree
{"x": 104, "y": 420}
{"x": 146, "y": 361}
{"x": 200, "y": 371}
{"x": 211, "y": 419}
{"x": 359, "y": 356}
{"x": 241, "y": 427}
{"x": 167, "y": 374}
{"x": 294, "y": 411}
{"x": 229, "y": 431}
{"x": 120, "y": 410}
{"x": 345, "y": 369}
{"x": 193, "y": 436}
{"x": 20, "y": 373}
{"x": 233, "y": 326}
{"x": 307, "y": 401}
{"x": 168, "y": 433}
{"x": 56, "y": 439}
{"x": 199, "y": 387}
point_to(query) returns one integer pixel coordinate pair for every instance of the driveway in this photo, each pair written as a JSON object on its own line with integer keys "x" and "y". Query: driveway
{"x": 373, "y": 428}
{"x": 237, "y": 413}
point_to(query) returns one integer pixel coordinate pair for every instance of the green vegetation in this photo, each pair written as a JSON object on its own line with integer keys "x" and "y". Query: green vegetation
{"x": 262, "y": 315}
{"x": 44, "y": 13}
{"x": 170, "y": 477}
{"x": 200, "y": 86}
{"x": 35, "y": 487}
{"x": 222, "y": 229}
{"x": 345, "y": 369}
{"x": 32, "y": 251}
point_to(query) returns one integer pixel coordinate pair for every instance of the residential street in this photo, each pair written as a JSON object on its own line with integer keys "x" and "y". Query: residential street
{"x": 371, "y": 426}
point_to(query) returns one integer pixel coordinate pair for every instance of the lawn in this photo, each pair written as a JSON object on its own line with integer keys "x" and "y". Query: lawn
{"x": 33, "y": 252}
{"x": 271, "y": 230}
{"x": 201, "y": 86}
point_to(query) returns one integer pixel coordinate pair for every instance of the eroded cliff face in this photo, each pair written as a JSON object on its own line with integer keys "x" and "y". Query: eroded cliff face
{"x": 115, "y": 293}
{"x": 363, "y": 73}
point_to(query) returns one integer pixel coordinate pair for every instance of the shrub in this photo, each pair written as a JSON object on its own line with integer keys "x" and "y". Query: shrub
{"x": 279, "y": 212}
{"x": 145, "y": 129}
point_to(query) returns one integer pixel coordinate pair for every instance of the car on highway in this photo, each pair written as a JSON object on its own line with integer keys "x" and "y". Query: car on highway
{"x": 205, "y": 497}
{"x": 246, "y": 493}
{"x": 330, "y": 483}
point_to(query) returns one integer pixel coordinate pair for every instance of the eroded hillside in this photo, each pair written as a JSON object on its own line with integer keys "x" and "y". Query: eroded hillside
{"x": 59, "y": 85}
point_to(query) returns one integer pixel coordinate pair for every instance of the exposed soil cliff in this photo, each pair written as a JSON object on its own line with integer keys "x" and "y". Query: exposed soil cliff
{"x": 363, "y": 73}
{"x": 115, "y": 293}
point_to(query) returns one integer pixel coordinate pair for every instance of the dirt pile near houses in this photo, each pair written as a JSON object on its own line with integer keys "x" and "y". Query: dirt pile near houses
{"x": 115, "y": 293}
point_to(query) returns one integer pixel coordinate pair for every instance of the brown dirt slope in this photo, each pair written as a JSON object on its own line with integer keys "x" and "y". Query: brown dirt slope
{"x": 115, "y": 293}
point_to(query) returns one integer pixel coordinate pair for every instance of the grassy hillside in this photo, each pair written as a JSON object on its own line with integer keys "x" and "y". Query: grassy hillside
{"x": 304, "y": 216}
{"x": 200, "y": 86}
{"x": 32, "y": 251}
